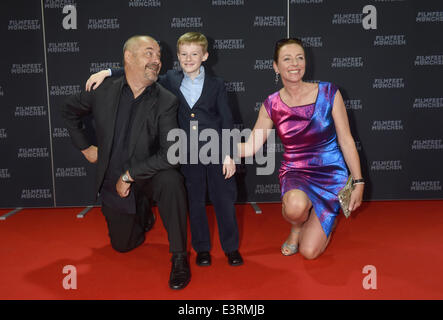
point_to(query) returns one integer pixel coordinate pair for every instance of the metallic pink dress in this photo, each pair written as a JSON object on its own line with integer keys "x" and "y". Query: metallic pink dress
{"x": 312, "y": 161}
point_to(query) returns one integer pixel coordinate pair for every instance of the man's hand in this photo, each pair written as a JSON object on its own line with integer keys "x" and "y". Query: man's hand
{"x": 96, "y": 79}
{"x": 91, "y": 154}
{"x": 123, "y": 188}
{"x": 228, "y": 167}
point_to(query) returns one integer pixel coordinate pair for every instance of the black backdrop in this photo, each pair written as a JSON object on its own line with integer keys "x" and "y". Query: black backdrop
{"x": 385, "y": 55}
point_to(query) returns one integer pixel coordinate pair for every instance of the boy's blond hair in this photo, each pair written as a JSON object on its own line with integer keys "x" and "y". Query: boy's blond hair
{"x": 193, "y": 37}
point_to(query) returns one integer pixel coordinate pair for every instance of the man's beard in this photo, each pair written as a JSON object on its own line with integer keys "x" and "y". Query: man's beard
{"x": 151, "y": 72}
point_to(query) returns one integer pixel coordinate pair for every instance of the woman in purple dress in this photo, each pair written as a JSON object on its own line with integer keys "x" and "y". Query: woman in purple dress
{"x": 313, "y": 126}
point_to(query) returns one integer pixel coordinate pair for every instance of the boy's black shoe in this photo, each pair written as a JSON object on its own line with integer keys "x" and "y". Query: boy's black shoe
{"x": 203, "y": 259}
{"x": 234, "y": 258}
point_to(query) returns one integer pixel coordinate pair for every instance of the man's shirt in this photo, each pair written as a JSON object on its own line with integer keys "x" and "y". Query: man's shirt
{"x": 126, "y": 111}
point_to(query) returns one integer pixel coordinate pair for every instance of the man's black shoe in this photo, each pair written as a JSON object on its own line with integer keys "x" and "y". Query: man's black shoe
{"x": 203, "y": 259}
{"x": 180, "y": 273}
{"x": 234, "y": 258}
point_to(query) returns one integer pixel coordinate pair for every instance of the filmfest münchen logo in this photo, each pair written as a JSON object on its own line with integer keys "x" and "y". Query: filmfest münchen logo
{"x": 30, "y": 111}
{"x": 4, "y": 173}
{"x": 433, "y": 60}
{"x": 2, "y": 93}
{"x": 60, "y": 133}
{"x": 36, "y": 194}
{"x": 235, "y": 86}
{"x": 103, "y": 24}
{"x": 428, "y": 103}
{"x": 144, "y": 3}
{"x": 386, "y": 165}
{"x": 267, "y": 188}
{"x": 58, "y": 4}
{"x": 261, "y": 64}
{"x": 430, "y": 16}
{"x": 390, "y": 40}
{"x": 187, "y": 22}
{"x": 98, "y": 66}
{"x": 427, "y": 144}
{"x": 66, "y": 90}
{"x": 426, "y": 185}
{"x": 24, "y": 153}
{"x": 388, "y": 83}
{"x": 228, "y": 2}
{"x": 63, "y": 47}
{"x": 347, "y": 18}
{"x": 312, "y": 42}
{"x": 24, "y": 25}
{"x": 387, "y": 125}
{"x": 353, "y": 104}
{"x": 70, "y": 172}
{"x": 3, "y": 133}
{"x": 347, "y": 62}
{"x": 26, "y": 68}
{"x": 229, "y": 44}
{"x": 306, "y": 1}
{"x": 269, "y": 21}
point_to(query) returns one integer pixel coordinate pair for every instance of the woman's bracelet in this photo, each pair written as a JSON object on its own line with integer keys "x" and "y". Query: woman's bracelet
{"x": 358, "y": 181}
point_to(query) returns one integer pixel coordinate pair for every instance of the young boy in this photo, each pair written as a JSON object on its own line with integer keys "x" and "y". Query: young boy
{"x": 203, "y": 100}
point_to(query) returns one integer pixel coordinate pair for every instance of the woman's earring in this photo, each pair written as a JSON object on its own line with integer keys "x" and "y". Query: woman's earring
{"x": 276, "y": 77}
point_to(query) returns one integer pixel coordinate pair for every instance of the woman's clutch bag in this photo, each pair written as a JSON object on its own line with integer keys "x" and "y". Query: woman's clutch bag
{"x": 344, "y": 196}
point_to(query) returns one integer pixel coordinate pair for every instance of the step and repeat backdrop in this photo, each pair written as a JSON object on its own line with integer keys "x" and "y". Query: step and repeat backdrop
{"x": 386, "y": 56}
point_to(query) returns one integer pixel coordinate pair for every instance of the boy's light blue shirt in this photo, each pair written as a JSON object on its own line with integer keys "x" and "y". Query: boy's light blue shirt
{"x": 192, "y": 89}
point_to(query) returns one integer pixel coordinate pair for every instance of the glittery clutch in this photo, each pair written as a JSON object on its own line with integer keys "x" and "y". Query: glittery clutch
{"x": 344, "y": 196}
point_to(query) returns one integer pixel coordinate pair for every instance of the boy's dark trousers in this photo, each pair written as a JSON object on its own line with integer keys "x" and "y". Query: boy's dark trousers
{"x": 222, "y": 193}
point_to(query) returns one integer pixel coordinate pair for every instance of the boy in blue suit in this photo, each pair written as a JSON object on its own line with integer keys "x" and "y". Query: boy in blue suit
{"x": 204, "y": 101}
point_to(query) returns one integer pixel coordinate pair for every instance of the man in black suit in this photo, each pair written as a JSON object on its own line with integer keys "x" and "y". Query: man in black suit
{"x": 133, "y": 115}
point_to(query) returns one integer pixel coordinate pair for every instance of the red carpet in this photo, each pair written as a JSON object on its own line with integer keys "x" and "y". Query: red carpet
{"x": 403, "y": 240}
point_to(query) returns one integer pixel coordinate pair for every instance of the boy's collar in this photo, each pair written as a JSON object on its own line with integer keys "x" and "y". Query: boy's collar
{"x": 201, "y": 75}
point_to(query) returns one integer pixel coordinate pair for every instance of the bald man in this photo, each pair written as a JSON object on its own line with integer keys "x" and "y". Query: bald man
{"x": 133, "y": 115}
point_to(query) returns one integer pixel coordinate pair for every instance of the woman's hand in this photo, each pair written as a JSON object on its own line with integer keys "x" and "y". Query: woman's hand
{"x": 96, "y": 79}
{"x": 356, "y": 197}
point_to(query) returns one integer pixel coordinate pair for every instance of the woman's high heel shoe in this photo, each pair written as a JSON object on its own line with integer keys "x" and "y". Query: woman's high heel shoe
{"x": 289, "y": 249}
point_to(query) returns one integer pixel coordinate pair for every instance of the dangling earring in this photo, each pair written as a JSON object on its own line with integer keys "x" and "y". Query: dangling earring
{"x": 276, "y": 78}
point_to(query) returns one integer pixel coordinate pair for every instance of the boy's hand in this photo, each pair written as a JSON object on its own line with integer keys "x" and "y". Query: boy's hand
{"x": 228, "y": 167}
{"x": 96, "y": 79}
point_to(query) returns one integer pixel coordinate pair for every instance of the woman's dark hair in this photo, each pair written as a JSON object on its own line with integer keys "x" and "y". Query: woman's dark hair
{"x": 282, "y": 42}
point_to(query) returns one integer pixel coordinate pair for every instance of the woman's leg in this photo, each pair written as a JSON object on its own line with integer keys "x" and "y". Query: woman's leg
{"x": 313, "y": 240}
{"x": 295, "y": 209}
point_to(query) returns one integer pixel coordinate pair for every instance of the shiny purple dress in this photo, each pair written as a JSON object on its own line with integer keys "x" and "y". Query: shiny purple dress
{"x": 312, "y": 161}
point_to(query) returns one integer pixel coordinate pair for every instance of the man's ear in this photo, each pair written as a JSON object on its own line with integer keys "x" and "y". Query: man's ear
{"x": 127, "y": 56}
